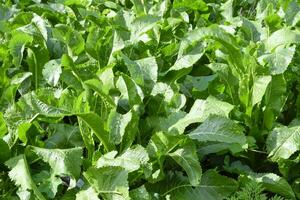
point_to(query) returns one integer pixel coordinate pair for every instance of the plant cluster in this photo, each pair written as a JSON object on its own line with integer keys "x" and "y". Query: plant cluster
{"x": 149, "y": 99}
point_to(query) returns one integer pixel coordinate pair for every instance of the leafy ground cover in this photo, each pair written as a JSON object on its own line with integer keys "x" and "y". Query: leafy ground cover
{"x": 153, "y": 99}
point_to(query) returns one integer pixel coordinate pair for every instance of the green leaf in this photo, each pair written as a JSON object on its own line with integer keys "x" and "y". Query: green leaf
{"x": 292, "y": 13}
{"x": 41, "y": 26}
{"x": 62, "y": 161}
{"x": 63, "y": 136}
{"x": 97, "y": 125}
{"x": 187, "y": 158}
{"x": 143, "y": 71}
{"x": 200, "y": 111}
{"x": 189, "y": 58}
{"x": 279, "y": 60}
{"x": 213, "y": 186}
{"x": 259, "y": 88}
{"x": 117, "y": 124}
{"x": 141, "y": 25}
{"x": 130, "y": 91}
{"x": 70, "y": 37}
{"x": 36, "y": 59}
{"x": 180, "y": 149}
{"x": 22, "y": 131}
{"x": 219, "y": 129}
{"x": 276, "y": 39}
{"x": 139, "y": 193}
{"x": 109, "y": 182}
{"x": 283, "y": 142}
{"x": 20, "y": 174}
{"x": 88, "y": 194}
{"x": 47, "y": 183}
{"x": 131, "y": 160}
{"x": 17, "y": 47}
{"x": 275, "y": 98}
{"x": 52, "y": 71}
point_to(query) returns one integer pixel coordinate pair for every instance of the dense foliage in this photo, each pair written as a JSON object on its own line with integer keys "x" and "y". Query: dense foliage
{"x": 149, "y": 99}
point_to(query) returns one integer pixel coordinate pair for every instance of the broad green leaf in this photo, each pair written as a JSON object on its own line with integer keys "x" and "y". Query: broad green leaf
{"x": 227, "y": 10}
{"x": 97, "y": 125}
{"x": 52, "y": 71}
{"x": 213, "y": 147}
{"x": 140, "y": 26}
{"x": 63, "y": 136}
{"x": 17, "y": 47}
{"x": 99, "y": 44}
{"x": 276, "y": 39}
{"x": 200, "y": 111}
{"x": 22, "y": 131}
{"x": 189, "y": 58}
{"x": 143, "y": 71}
{"x": 292, "y": 13}
{"x": 36, "y": 59}
{"x": 131, "y": 160}
{"x": 97, "y": 86}
{"x": 180, "y": 149}
{"x": 70, "y": 37}
{"x": 187, "y": 158}
{"x": 41, "y": 26}
{"x": 62, "y": 161}
{"x": 109, "y": 182}
{"x": 216, "y": 33}
{"x": 219, "y": 129}
{"x": 20, "y": 174}
{"x": 279, "y": 60}
{"x": 197, "y": 83}
{"x": 130, "y": 91}
{"x": 275, "y": 98}
{"x": 283, "y": 142}
{"x": 117, "y": 124}
{"x": 213, "y": 186}
{"x": 34, "y": 106}
{"x": 259, "y": 88}
{"x": 88, "y": 194}
{"x": 139, "y": 193}
{"x": 47, "y": 183}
